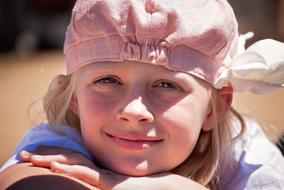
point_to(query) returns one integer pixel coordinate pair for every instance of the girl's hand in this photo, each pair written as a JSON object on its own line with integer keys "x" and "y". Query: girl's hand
{"x": 75, "y": 164}
{"x": 106, "y": 180}
{"x": 54, "y": 157}
{"x": 71, "y": 163}
{"x": 44, "y": 156}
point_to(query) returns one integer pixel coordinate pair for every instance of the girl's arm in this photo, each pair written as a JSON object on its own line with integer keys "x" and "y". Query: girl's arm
{"x": 25, "y": 176}
{"x": 74, "y": 164}
{"x": 110, "y": 180}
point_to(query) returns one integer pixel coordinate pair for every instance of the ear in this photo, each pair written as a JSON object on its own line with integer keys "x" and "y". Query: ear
{"x": 73, "y": 105}
{"x": 225, "y": 98}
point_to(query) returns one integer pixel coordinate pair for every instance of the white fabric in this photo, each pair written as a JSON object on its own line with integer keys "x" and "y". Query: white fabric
{"x": 259, "y": 69}
{"x": 256, "y": 163}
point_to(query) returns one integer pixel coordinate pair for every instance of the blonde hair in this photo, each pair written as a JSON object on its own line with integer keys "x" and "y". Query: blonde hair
{"x": 56, "y": 102}
{"x": 201, "y": 166}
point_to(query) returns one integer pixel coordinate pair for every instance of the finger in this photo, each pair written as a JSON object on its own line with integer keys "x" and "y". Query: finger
{"x": 44, "y": 155}
{"x": 83, "y": 173}
{"x": 45, "y": 161}
{"x": 25, "y": 156}
{"x": 69, "y": 156}
{"x": 69, "y": 159}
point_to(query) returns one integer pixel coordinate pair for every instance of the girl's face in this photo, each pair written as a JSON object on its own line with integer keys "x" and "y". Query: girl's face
{"x": 138, "y": 119}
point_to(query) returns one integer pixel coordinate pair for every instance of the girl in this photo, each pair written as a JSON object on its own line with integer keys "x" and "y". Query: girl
{"x": 147, "y": 97}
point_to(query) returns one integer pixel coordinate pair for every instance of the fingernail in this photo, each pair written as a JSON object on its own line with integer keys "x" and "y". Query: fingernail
{"x": 25, "y": 154}
{"x": 56, "y": 164}
{"x": 58, "y": 168}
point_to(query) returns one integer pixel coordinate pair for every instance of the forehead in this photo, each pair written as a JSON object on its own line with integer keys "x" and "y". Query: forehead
{"x": 140, "y": 69}
{"x": 126, "y": 66}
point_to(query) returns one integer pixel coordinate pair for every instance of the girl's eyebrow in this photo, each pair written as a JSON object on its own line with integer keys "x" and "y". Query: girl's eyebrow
{"x": 94, "y": 69}
{"x": 177, "y": 75}
{"x": 112, "y": 68}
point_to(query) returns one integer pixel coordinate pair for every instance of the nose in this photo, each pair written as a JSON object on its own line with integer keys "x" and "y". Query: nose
{"x": 135, "y": 111}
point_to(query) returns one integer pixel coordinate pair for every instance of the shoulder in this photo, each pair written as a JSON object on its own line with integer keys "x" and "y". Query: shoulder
{"x": 46, "y": 135}
{"x": 266, "y": 177}
{"x": 45, "y": 130}
{"x": 25, "y": 176}
{"x": 256, "y": 162}
{"x": 255, "y": 148}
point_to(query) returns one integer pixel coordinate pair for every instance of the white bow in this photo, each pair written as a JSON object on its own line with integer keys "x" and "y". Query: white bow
{"x": 258, "y": 69}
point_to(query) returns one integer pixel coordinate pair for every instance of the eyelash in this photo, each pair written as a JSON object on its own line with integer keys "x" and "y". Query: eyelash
{"x": 160, "y": 84}
{"x": 108, "y": 80}
{"x": 169, "y": 85}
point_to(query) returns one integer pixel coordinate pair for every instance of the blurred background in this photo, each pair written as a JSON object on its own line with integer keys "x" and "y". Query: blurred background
{"x": 31, "y": 40}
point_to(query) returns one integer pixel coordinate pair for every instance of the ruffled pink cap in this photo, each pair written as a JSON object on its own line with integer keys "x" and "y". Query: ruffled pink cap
{"x": 192, "y": 36}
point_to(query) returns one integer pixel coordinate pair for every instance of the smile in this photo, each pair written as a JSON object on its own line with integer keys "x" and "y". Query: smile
{"x": 134, "y": 142}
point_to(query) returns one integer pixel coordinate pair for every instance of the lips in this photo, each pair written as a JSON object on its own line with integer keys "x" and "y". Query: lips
{"x": 135, "y": 142}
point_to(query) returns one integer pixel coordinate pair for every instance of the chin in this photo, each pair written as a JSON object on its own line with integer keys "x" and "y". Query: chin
{"x": 139, "y": 170}
{"x": 134, "y": 172}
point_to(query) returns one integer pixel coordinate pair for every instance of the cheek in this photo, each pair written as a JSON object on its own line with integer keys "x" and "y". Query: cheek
{"x": 182, "y": 126}
{"x": 94, "y": 108}
{"x": 185, "y": 116}
{"x": 183, "y": 123}
{"x": 92, "y": 102}
{"x": 95, "y": 111}
{"x": 183, "y": 132}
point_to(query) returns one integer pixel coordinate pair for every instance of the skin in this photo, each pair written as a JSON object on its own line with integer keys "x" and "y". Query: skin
{"x": 70, "y": 170}
{"x": 26, "y": 176}
{"x": 114, "y": 104}
{"x": 133, "y": 114}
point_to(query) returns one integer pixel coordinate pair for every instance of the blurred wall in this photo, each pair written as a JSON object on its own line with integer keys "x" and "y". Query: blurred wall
{"x": 26, "y": 25}
{"x": 8, "y": 24}
{"x": 259, "y": 16}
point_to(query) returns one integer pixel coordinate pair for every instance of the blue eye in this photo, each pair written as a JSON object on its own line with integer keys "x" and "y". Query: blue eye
{"x": 108, "y": 80}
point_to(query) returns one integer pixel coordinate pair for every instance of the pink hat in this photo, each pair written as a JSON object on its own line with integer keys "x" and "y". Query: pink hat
{"x": 197, "y": 37}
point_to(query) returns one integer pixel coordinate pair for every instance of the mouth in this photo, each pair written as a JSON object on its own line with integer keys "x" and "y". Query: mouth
{"x": 135, "y": 143}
